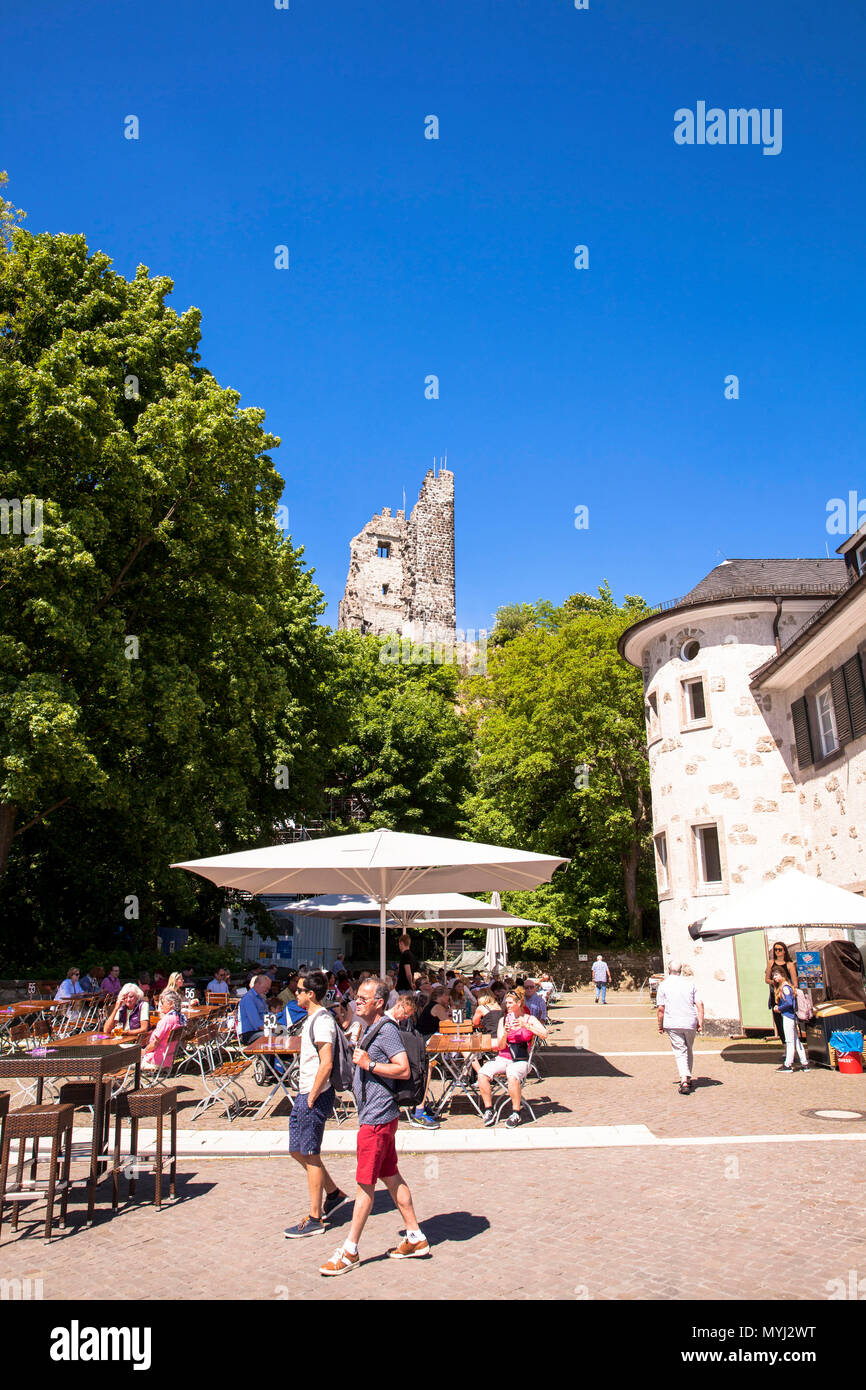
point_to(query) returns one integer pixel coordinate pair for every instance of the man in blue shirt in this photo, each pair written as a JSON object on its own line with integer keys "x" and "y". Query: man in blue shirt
{"x": 535, "y": 1001}
{"x": 252, "y": 1010}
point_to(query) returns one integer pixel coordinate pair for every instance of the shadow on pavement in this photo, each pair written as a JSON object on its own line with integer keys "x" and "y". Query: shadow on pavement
{"x": 742, "y": 1052}
{"x": 579, "y": 1063}
{"x": 450, "y": 1226}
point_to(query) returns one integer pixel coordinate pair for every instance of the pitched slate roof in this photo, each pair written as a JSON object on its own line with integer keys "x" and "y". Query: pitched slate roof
{"x": 749, "y": 577}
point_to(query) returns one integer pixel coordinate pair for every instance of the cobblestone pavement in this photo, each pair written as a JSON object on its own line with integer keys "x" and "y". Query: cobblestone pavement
{"x": 673, "y": 1222}
{"x": 694, "y": 1223}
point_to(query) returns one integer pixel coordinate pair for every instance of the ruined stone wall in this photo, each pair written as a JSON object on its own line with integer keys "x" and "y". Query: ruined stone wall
{"x": 411, "y": 592}
{"x": 364, "y": 604}
{"x": 431, "y": 542}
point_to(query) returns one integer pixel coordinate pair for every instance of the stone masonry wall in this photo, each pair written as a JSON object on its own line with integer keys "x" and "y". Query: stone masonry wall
{"x": 418, "y": 574}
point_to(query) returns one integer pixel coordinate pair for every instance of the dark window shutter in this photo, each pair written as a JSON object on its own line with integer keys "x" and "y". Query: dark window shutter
{"x": 840, "y": 707}
{"x": 799, "y": 710}
{"x": 856, "y": 696}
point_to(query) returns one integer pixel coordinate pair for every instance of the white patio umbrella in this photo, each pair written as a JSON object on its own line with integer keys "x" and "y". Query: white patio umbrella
{"x": 792, "y": 899}
{"x": 495, "y": 945}
{"x": 380, "y": 864}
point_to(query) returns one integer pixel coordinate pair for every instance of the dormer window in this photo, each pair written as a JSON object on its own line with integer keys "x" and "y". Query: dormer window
{"x": 384, "y": 550}
{"x": 860, "y": 558}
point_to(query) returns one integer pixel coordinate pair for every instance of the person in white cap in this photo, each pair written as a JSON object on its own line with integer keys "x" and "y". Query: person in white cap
{"x": 680, "y": 1015}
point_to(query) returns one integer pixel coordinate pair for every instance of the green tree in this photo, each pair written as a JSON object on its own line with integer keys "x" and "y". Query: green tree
{"x": 158, "y": 641}
{"x": 402, "y": 754}
{"x": 562, "y": 766}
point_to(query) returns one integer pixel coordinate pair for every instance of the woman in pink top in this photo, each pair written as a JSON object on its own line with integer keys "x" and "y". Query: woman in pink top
{"x": 165, "y": 1037}
{"x": 513, "y": 1041}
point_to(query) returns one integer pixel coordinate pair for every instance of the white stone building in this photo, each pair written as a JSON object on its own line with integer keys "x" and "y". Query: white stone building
{"x": 755, "y": 687}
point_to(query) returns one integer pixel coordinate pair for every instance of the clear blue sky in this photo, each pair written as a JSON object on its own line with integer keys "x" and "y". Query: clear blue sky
{"x": 559, "y": 387}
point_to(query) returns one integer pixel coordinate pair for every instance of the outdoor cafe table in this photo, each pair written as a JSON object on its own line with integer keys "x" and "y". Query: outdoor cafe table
{"x": 268, "y": 1048}
{"x": 92, "y": 1056}
{"x": 453, "y": 1055}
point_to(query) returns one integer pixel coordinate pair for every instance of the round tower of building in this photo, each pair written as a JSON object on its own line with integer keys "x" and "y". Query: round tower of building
{"x": 725, "y": 808}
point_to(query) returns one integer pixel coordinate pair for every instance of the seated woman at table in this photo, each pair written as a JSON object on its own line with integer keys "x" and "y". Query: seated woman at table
{"x": 163, "y": 1041}
{"x": 131, "y": 1012}
{"x": 488, "y": 1014}
{"x": 513, "y": 1040}
{"x": 70, "y": 987}
{"x": 435, "y": 1012}
{"x": 461, "y": 1004}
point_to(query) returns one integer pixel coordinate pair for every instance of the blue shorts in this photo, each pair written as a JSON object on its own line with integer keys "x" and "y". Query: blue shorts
{"x": 307, "y": 1123}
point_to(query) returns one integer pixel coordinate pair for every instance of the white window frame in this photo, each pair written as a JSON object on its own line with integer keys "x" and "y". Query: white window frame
{"x": 707, "y": 887}
{"x": 663, "y": 872}
{"x": 860, "y": 557}
{"x": 688, "y": 721}
{"x": 828, "y": 712}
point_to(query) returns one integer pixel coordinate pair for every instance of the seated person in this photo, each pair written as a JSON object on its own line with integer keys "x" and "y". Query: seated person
{"x": 70, "y": 987}
{"x": 535, "y": 1002}
{"x": 219, "y": 984}
{"x": 289, "y": 992}
{"x": 91, "y": 983}
{"x": 111, "y": 982}
{"x": 344, "y": 987}
{"x": 252, "y": 1010}
{"x": 131, "y": 1012}
{"x": 488, "y": 1014}
{"x": 513, "y": 1041}
{"x": 434, "y": 1012}
{"x": 546, "y": 986}
{"x": 159, "y": 981}
{"x": 144, "y": 983}
{"x": 162, "y": 1043}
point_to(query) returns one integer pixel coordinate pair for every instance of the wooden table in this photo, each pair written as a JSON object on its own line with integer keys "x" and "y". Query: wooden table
{"x": 453, "y": 1054}
{"x": 93, "y": 1057}
{"x": 266, "y": 1048}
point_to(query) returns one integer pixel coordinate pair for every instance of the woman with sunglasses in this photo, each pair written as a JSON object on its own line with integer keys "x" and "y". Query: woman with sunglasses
{"x": 780, "y": 959}
{"x": 513, "y": 1043}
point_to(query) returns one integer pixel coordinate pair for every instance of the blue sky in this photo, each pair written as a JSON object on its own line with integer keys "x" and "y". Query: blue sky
{"x": 558, "y": 387}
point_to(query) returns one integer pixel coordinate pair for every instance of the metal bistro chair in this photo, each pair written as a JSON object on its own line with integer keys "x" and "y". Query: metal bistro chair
{"x": 499, "y": 1087}
{"x": 448, "y": 1028}
{"x": 221, "y": 1080}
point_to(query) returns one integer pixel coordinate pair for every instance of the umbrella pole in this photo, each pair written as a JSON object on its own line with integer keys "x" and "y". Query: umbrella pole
{"x": 382, "y": 938}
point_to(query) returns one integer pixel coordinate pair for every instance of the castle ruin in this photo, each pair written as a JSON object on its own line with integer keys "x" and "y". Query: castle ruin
{"x": 401, "y": 573}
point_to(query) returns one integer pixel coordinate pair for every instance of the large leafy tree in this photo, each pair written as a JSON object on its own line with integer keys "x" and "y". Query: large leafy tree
{"x": 402, "y": 753}
{"x": 562, "y": 764}
{"x": 158, "y": 647}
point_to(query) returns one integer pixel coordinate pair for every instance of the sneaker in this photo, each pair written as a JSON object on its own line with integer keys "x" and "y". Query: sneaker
{"x": 513, "y": 1120}
{"x": 789, "y": 1070}
{"x": 410, "y": 1250}
{"x": 310, "y": 1226}
{"x": 333, "y": 1201}
{"x": 489, "y": 1117}
{"x": 340, "y": 1262}
{"x": 685, "y": 1088}
{"x": 423, "y": 1120}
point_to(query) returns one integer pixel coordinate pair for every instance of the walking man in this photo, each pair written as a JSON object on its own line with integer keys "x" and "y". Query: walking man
{"x": 380, "y": 1060}
{"x": 680, "y": 1014}
{"x": 314, "y": 1106}
{"x": 601, "y": 978}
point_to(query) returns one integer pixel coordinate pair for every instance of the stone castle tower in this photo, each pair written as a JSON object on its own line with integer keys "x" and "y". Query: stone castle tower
{"x": 401, "y": 573}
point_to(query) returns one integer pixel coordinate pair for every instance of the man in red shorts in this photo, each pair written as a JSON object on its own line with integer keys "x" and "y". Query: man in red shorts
{"x": 380, "y": 1060}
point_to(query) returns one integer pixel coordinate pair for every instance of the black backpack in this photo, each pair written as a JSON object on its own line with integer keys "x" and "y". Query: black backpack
{"x": 411, "y": 1091}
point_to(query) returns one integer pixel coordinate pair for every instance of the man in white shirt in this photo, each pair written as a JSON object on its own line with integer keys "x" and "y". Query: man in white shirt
{"x": 314, "y": 1106}
{"x": 680, "y": 1014}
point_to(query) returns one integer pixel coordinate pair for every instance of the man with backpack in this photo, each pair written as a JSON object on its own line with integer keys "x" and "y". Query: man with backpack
{"x": 411, "y": 1093}
{"x": 320, "y": 1071}
{"x": 380, "y": 1063}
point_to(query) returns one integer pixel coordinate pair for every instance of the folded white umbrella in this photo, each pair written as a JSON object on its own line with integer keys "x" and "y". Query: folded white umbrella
{"x": 792, "y": 899}
{"x": 380, "y": 864}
